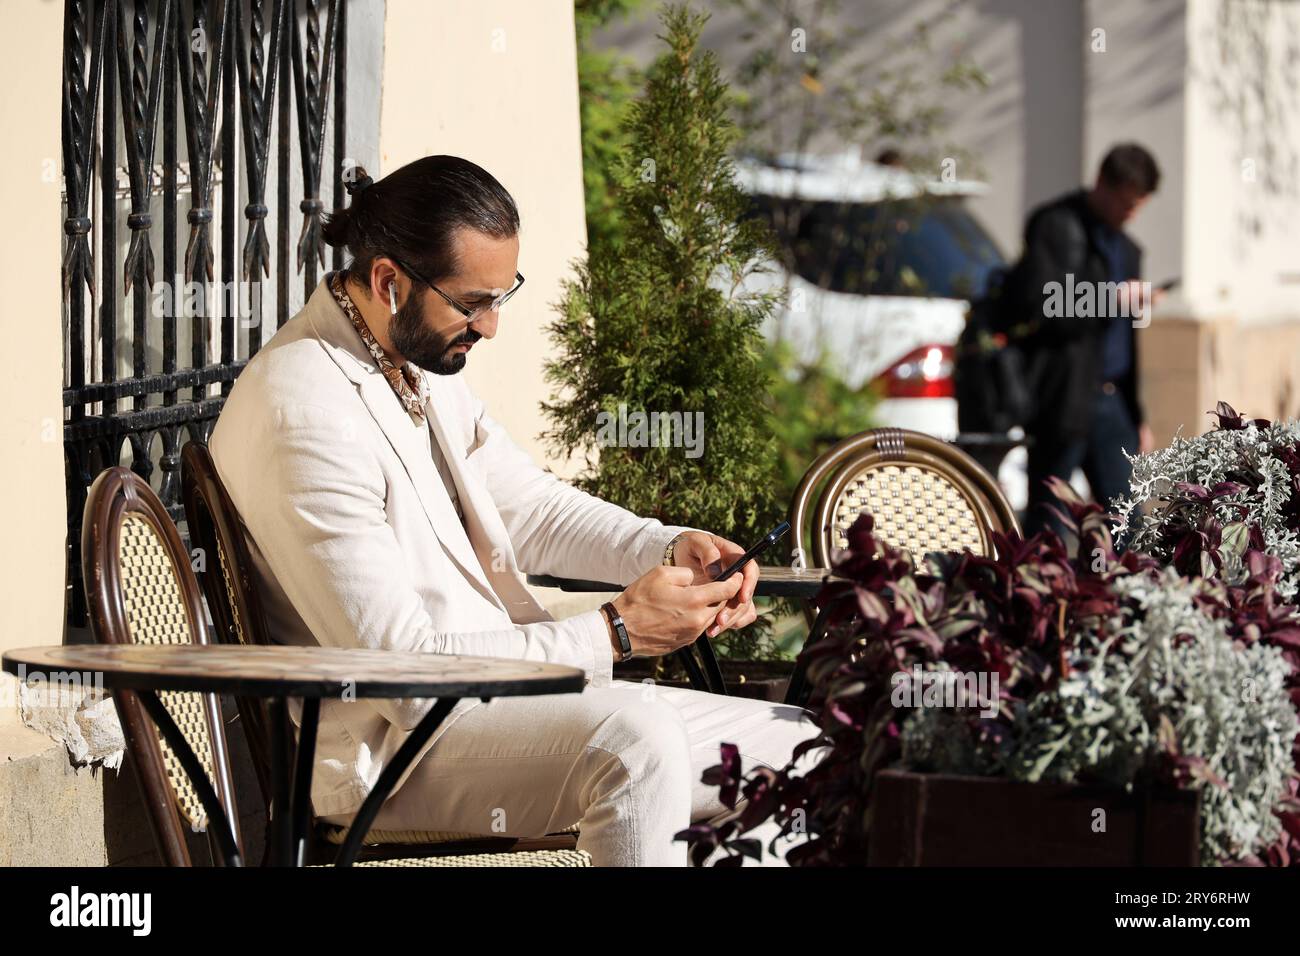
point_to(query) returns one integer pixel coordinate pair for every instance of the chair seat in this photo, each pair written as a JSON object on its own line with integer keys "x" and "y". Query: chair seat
{"x": 337, "y": 834}
{"x": 528, "y": 858}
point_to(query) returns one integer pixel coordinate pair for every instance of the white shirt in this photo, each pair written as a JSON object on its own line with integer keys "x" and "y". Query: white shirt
{"x": 440, "y": 460}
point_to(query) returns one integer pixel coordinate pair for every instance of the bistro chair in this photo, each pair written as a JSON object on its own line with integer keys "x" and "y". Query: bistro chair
{"x": 140, "y": 590}
{"x": 232, "y": 593}
{"x": 924, "y": 494}
{"x": 229, "y": 606}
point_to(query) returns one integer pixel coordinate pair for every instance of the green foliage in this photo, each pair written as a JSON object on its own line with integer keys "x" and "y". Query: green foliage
{"x": 607, "y": 83}
{"x": 812, "y": 408}
{"x": 660, "y": 326}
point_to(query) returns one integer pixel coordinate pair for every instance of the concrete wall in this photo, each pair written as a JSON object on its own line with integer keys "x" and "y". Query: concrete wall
{"x": 49, "y": 813}
{"x": 496, "y": 82}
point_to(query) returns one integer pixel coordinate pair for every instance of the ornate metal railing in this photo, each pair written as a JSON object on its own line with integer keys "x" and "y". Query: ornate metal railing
{"x": 149, "y": 358}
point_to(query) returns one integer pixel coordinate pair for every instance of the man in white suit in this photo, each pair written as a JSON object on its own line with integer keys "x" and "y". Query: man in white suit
{"x": 385, "y": 508}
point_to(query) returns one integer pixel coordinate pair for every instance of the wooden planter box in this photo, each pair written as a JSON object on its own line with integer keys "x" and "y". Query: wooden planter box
{"x": 760, "y": 680}
{"x": 939, "y": 820}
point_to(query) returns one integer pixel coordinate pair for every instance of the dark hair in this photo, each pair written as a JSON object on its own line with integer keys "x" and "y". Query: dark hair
{"x": 1129, "y": 164}
{"x": 413, "y": 213}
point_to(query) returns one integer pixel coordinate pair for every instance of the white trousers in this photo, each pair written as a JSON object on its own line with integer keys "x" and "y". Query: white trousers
{"x": 624, "y": 761}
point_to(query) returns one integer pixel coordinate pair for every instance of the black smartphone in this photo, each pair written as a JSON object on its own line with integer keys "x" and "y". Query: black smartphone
{"x": 772, "y": 538}
{"x": 1170, "y": 284}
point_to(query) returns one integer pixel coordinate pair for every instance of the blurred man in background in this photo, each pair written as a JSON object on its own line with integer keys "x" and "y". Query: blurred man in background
{"x": 1082, "y": 358}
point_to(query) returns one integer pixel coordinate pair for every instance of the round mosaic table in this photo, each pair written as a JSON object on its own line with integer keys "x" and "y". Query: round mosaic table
{"x": 309, "y": 673}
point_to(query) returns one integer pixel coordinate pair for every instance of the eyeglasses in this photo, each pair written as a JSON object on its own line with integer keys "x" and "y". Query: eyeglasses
{"x": 469, "y": 314}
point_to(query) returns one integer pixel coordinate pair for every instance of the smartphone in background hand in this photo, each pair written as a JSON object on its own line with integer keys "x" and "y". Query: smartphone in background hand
{"x": 1169, "y": 284}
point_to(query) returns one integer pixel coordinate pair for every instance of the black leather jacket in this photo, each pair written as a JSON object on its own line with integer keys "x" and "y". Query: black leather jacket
{"x": 1064, "y": 354}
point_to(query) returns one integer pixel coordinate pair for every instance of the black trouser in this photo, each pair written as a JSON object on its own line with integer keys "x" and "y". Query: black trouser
{"x": 1100, "y": 453}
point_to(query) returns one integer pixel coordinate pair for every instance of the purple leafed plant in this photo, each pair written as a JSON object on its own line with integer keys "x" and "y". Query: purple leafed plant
{"x": 1020, "y": 615}
{"x": 1202, "y": 503}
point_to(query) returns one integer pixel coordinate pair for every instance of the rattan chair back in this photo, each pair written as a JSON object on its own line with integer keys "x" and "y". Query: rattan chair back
{"x": 140, "y": 589}
{"x": 924, "y": 495}
{"x": 226, "y": 576}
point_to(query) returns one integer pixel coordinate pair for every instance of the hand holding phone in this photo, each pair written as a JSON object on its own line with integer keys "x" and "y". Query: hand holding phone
{"x": 654, "y": 612}
{"x": 738, "y": 566}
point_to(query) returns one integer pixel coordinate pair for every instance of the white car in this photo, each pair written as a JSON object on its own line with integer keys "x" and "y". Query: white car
{"x": 878, "y": 270}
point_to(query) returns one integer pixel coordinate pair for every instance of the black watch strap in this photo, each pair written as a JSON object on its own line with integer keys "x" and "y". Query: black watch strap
{"x": 616, "y": 622}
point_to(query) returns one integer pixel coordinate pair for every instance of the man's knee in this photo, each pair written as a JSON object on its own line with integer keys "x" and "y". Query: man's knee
{"x": 775, "y": 747}
{"x": 649, "y": 737}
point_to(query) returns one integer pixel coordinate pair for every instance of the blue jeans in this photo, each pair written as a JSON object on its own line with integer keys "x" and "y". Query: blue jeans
{"x": 1100, "y": 454}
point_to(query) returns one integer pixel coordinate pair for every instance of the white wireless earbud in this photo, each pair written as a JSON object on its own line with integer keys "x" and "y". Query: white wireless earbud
{"x": 392, "y": 297}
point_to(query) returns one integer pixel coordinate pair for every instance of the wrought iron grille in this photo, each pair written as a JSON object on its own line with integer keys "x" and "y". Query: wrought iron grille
{"x": 229, "y": 91}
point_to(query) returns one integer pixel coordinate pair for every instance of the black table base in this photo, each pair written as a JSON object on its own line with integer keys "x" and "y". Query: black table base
{"x": 404, "y": 757}
{"x": 291, "y": 814}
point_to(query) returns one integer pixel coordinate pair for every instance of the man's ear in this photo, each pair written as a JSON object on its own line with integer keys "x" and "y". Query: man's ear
{"x": 382, "y": 272}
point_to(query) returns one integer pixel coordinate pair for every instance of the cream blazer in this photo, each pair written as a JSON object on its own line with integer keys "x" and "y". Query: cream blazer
{"x": 357, "y": 544}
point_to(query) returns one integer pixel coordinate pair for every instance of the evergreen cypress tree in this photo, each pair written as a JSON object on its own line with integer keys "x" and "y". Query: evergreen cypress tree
{"x": 659, "y": 325}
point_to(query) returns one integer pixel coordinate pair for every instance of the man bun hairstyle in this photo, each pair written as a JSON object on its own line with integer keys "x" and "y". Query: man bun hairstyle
{"x": 1129, "y": 164}
{"x": 413, "y": 214}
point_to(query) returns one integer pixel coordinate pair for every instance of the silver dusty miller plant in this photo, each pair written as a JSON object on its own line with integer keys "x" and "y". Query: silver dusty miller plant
{"x": 1223, "y": 703}
{"x": 1202, "y": 502}
{"x": 1163, "y": 679}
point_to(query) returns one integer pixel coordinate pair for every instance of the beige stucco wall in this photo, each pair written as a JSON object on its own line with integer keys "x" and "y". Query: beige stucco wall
{"x": 31, "y": 431}
{"x": 496, "y": 81}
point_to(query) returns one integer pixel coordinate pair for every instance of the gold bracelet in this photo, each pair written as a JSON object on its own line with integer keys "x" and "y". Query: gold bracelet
{"x": 668, "y": 551}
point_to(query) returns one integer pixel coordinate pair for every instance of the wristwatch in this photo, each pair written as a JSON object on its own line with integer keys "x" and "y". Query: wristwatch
{"x": 668, "y": 551}
{"x": 616, "y": 622}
